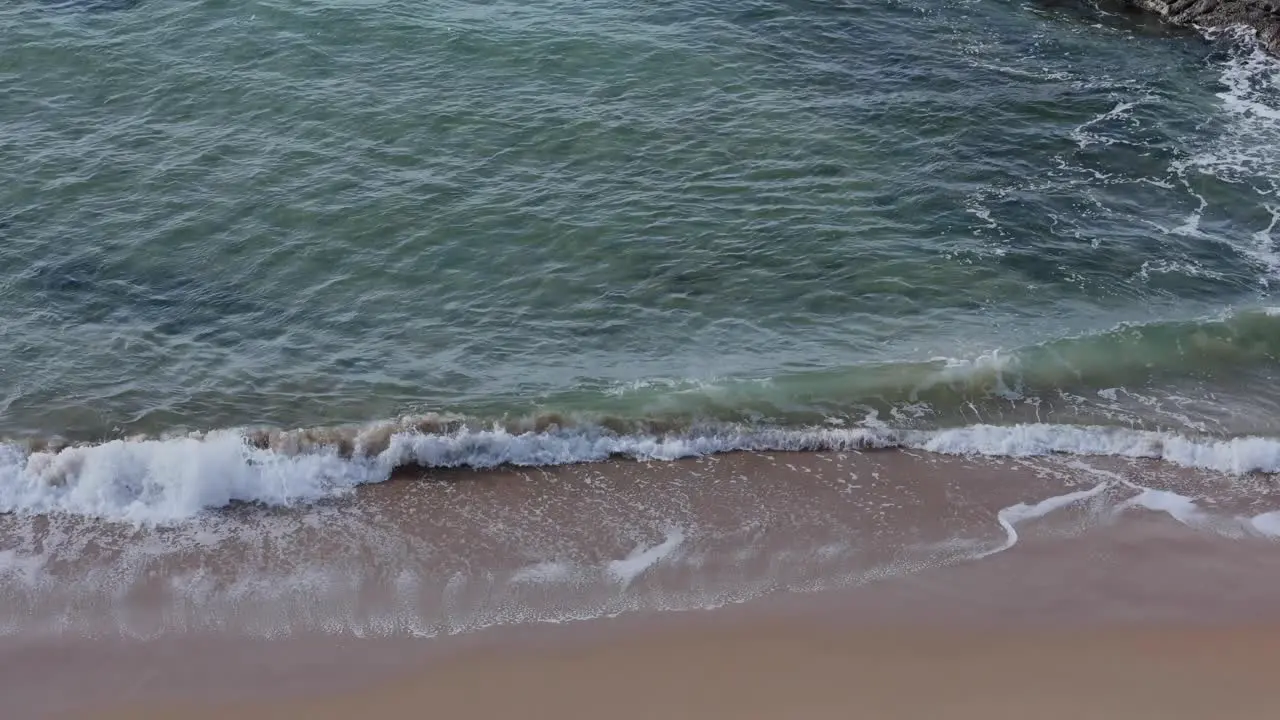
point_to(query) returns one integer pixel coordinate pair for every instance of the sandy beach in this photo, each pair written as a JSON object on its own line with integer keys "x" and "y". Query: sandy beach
{"x": 607, "y": 360}
{"x": 804, "y": 669}
{"x": 1144, "y": 618}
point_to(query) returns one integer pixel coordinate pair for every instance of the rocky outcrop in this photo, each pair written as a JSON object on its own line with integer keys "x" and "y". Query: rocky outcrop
{"x": 1261, "y": 15}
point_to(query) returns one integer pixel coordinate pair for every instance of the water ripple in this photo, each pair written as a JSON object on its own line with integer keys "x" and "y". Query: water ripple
{"x": 300, "y": 212}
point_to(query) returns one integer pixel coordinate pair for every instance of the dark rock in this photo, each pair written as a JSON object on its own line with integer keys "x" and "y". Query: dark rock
{"x": 1263, "y": 16}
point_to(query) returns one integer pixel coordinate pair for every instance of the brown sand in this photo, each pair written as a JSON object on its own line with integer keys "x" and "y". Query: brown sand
{"x": 804, "y": 669}
{"x": 1089, "y": 615}
{"x": 1028, "y": 634}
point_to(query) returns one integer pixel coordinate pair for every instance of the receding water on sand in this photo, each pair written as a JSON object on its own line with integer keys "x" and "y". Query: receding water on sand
{"x": 451, "y": 551}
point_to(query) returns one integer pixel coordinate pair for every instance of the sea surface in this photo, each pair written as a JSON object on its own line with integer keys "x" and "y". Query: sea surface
{"x": 257, "y": 256}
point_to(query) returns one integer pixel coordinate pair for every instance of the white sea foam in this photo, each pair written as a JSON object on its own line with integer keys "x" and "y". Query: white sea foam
{"x": 1266, "y": 523}
{"x": 164, "y": 481}
{"x": 626, "y": 570}
{"x": 1251, "y": 105}
{"x": 1084, "y": 135}
{"x": 548, "y": 571}
{"x": 1245, "y": 150}
{"x": 160, "y": 480}
{"x": 1010, "y": 517}
{"x": 1235, "y": 455}
{"x": 1266, "y": 248}
{"x": 1179, "y": 507}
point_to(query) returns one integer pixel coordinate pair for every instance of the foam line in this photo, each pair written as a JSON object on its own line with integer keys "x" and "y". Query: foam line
{"x": 161, "y": 481}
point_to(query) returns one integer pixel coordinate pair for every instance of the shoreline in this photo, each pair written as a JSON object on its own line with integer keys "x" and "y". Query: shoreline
{"x": 311, "y": 467}
{"x": 1137, "y": 625}
{"x": 728, "y": 561}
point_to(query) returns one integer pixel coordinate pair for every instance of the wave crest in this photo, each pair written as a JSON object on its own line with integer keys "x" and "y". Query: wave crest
{"x": 169, "y": 480}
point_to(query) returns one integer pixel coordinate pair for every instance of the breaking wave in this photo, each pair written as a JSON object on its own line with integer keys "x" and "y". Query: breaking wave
{"x": 163, "y": 481}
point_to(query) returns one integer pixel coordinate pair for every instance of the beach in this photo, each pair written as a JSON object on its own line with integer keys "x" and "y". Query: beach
{"x": 1106, "y": 628}
{"x": 1096, "y": 596}
{"x": 533, "y": 358}
{"x": 807, "y": 669}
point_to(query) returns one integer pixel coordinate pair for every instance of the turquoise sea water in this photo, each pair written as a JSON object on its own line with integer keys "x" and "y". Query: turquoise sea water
{"x": 259, "y": 257}
{"x": 779, "y": 213}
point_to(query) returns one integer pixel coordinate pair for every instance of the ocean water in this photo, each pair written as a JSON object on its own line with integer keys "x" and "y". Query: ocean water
{"x": 780, "y": 214}
{"x": 267, "y": 252}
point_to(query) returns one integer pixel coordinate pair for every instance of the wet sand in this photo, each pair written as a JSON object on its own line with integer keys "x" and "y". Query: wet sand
{"x": 805, "y": 670}
{"x": 884, "y": 584}
{"x": 1142, "y": 635}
